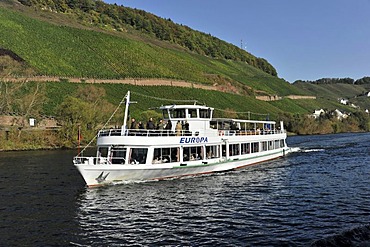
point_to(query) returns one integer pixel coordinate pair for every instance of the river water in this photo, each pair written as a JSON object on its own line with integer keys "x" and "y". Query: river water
{"x": 312, "y": 197}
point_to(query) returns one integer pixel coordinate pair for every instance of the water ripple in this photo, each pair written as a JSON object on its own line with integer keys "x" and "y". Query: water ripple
{"x": 319, "y": 196}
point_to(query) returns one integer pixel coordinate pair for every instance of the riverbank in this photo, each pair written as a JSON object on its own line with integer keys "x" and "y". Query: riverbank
{"x": 43, "y": 142}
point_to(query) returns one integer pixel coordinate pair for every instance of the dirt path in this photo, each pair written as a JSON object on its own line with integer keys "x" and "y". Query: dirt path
{"x": 137, "y": 82}
{"x": 154, "y": 82}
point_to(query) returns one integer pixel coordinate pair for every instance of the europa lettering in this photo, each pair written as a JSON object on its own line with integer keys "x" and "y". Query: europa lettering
{"x": 193, "y": 139}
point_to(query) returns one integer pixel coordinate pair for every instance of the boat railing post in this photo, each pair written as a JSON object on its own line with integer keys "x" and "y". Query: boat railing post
{"x": 282, "y": 126}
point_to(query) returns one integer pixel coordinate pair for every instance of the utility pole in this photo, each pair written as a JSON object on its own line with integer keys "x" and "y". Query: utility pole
{"x": 242, "y": 45}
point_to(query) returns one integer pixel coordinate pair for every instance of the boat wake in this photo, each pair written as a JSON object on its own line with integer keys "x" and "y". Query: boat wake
{"x": 299, "y": 150}
{"x": 295, "y": 149}
{"x": 312, "y": 150}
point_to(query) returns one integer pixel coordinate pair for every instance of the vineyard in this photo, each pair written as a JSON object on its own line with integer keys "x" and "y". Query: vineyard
{"x": 61, "y": 50}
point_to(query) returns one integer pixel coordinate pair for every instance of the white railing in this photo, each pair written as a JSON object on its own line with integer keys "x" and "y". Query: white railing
{"x": 145, "y": 132}
{"x": 156, "y": 133}
{"x": 91, "y": 160}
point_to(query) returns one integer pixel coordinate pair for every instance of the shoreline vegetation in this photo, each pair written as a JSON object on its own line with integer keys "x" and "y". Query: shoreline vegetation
{"x": 61, "y": 110}
{"x": 30, "y": 145}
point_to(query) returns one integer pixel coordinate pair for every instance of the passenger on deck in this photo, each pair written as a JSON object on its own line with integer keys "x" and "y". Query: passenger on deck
{"x": 160, "y": 125}
{"x": 150, "y": 124}
{"x": 168, "y": 125}
{"x": 178, "y": 128}
{"x": 186, "y": 127}
{"x": 157, "y": 161}
{"x": 133, "y": 124}
{"x": 141, "y": 125}
{"x": 168, "y": 128}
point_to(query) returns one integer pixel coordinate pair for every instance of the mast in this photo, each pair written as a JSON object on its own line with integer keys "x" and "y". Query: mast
{"x": 124, "y": 127}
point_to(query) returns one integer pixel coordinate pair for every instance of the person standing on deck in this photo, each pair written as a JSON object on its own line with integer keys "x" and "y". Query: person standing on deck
{"x": 178, "y": 128}
{"x": 150, "y": 124}
{"x": 133, "y": 124}
{"x": 141, "y": 125}
{"x": 160, "y": 125}
{"x": 186, "y": 127}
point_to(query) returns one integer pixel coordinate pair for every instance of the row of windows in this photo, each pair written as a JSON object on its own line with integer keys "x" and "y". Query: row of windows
{"x": 118, "y": 155}
{"x": 191, "y": 113}
{"x": 233, "y": 125}
{"x": 166, "y": 155}
{"x": 254, "y": 147}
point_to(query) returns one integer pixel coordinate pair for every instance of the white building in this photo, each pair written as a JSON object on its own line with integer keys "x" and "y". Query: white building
{"x": 317, "y": 113}
{"x": 344, "y": 101}
{"x": 340, "y": 115}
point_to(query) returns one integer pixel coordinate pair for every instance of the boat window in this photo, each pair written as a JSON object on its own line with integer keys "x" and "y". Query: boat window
{"x": 118, "y": 155}
{"x": 102, "y": 152}
{"x": 249, "y": 126}
{"x": 166, "y": 155}
{"x": 264, "y": 146}
{"x": 234, "y": 149}
{"x": 226, "y": 125}
{"x": 212, "y": 151}
{"x": 277, "y": 144}
{"x": 223, "y": 150}
{"x": 205, "y": 113}
{"x": 255, "y": 147}
{"x": 192, "y": 113}
{"x": 177, "y": 113}
{"x": 242, "y": 126}
{"x": 267, "y": 127}
{"x": 245, "y": 148}
{"x": 138, "y": 155}
{"x": 282, "y": 143}
{"x": 217, "y": 125}
{"x": 213, "y": 125}
{"x": 193, "y": 153}
{"x": 165, "y": 114}
{"x": 271, "y": 145}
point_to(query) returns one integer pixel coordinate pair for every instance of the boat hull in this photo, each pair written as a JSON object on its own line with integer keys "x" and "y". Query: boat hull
{"x": 99, "y": 175}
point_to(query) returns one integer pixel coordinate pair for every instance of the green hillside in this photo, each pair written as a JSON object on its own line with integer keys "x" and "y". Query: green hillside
{"x": 328, "y": 95}
{"x": 44, "y": 40}
{"x": 96, "y": 13}
{"x": 62, "y": 50}
{"x": 48, "y": 96}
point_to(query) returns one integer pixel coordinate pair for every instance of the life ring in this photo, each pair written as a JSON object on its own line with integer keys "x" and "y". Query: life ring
{"x": 221, "y": 133}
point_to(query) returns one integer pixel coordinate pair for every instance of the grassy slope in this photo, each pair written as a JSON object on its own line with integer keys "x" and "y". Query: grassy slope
{"x": 60, "y": 50}
{"x": 64, "y": 49}
{"x": 328, "y": 94}
{"x": 57, "y": 91}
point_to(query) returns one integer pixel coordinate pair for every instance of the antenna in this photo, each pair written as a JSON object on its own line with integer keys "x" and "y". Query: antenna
{"x": 242, "y": 46}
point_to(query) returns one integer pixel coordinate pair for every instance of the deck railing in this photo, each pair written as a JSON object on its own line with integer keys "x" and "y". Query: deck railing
{"x": 154, "y": 133}
{"x": 145, "y": 132}
{"x": 248, "y": 132}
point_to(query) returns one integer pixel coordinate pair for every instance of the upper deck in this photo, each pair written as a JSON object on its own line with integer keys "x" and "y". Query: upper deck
{"x": 196, "y": 120}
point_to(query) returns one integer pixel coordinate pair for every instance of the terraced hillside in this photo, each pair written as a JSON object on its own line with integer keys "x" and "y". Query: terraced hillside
{"x": 72, "y": 50}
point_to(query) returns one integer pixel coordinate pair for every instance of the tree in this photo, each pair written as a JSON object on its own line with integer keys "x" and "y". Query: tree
{"x": 73, "y": 114}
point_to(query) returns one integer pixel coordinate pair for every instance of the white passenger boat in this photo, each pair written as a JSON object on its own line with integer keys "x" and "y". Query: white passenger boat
{"x": 202, "y": 145}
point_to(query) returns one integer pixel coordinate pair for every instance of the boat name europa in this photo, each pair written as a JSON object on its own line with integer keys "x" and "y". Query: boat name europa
{"x": 193, "y": 139}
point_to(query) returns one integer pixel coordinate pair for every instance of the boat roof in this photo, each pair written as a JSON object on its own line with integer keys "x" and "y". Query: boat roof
{"x": 165, "y": 107}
